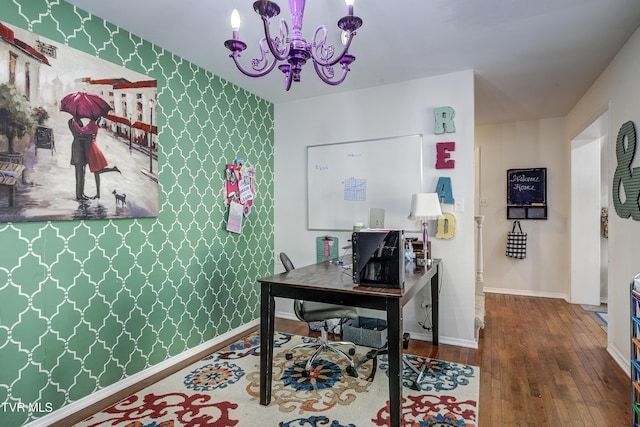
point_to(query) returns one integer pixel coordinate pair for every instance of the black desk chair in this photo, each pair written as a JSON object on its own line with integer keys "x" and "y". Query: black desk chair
{"x": 309, "y": 311}
{"x": 420, "y": 371}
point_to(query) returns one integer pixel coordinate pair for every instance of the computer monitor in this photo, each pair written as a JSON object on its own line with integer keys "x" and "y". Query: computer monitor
{"x": 378, "y": 258}
{"x": 376, "y": 218}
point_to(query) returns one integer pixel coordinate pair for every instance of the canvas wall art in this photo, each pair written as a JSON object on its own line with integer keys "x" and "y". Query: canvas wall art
{"x": 78, "y": 135}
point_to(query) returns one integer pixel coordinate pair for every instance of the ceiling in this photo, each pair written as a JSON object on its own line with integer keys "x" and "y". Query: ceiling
{"x": 531, "y": 59}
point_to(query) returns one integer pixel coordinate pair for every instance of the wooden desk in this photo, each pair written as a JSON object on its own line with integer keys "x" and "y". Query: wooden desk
{"x": 332, "y": 283}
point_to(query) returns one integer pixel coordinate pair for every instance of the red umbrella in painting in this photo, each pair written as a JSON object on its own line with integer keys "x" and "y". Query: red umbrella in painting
{"x": 84, "y": 105}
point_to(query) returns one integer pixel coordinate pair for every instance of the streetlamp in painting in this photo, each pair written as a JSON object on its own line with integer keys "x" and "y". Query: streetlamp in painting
{"x": 152, "y": 103}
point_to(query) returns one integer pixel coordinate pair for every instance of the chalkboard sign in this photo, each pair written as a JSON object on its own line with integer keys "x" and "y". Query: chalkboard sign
{"x": 527, "y": 193}
{"x": 44, "y": 138}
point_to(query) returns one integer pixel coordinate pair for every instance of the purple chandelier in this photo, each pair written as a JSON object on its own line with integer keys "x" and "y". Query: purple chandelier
{"x": 293, "y": 48}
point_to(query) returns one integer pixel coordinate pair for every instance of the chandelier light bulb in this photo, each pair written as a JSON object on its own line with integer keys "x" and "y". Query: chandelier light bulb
{"x": 235, "y": 20}
{"x": 349, "y": 4}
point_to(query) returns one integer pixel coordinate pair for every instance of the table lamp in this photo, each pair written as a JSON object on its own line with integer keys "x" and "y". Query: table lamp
{"x": 424, "y": 207}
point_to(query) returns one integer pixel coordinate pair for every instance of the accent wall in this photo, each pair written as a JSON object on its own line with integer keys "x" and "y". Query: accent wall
{"x": 85, "y": 304}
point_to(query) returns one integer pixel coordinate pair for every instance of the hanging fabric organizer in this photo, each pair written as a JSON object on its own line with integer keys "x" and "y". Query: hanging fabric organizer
{"x": 516, "y": 242}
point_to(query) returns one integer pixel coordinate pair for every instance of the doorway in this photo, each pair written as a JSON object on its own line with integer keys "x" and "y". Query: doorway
{"x": 589, "y": 197}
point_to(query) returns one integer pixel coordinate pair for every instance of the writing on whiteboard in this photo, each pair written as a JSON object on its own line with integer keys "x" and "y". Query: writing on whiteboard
{"x": 322, "y": 167}
{"x": 355, "y": 190}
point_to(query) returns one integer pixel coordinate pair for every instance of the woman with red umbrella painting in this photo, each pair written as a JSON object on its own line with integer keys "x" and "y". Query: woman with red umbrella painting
{"x": 84, "y": 149}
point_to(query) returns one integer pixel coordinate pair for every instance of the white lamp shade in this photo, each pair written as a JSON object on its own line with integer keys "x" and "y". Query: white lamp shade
{"x": 425, "y": 206}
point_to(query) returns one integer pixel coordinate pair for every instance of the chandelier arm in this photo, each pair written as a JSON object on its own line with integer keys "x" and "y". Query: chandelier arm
{"x": 328, "y": 80}
{"x": 322, "y": 44}
{"x": 279, "y": 54}
{"x": 264, "y": 72}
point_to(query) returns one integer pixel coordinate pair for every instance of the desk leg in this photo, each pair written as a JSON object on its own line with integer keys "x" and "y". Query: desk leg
{"x": 435, "y": 301}
{"x": 267, "y": 310}
{"x": 394, "y": 345}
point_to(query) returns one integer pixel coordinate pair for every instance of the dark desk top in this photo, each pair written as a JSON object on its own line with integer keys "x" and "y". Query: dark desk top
{"x": 332, "y": 277}
{"x": 331, "y": 282}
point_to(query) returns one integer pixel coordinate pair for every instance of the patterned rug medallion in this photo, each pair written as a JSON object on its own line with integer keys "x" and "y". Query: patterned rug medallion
{"x": 224, "y": 390}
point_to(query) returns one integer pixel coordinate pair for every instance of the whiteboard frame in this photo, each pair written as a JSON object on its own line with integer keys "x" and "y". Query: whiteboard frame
{"x": 421, "y": 143}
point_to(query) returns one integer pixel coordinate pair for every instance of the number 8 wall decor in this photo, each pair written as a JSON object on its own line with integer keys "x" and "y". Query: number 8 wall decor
{"x": 626, "y": 180}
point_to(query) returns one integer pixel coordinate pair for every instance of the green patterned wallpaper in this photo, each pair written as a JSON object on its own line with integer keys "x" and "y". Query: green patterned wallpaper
{"x": 84, "y": 304}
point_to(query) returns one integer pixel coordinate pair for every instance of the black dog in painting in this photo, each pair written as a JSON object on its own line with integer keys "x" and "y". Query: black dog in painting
{"x": 120, "y": 198}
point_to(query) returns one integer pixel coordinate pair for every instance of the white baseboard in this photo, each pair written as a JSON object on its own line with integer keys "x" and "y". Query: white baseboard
{"x": 94, "y": 398}
{"x": 620, "y": 359}
{"x": 444, "y": 340}
{"x": 525, "y": 293}
{"x": 414, "y": 334}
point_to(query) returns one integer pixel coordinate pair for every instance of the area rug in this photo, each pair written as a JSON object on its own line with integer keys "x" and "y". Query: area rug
{"x": 224, "y": 390}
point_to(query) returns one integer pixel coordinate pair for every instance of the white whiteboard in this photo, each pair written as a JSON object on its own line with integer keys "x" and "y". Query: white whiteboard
{"x": 345, "y": 180}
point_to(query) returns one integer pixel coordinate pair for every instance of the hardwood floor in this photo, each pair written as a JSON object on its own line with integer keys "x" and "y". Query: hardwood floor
{"x": 543, "y": 362}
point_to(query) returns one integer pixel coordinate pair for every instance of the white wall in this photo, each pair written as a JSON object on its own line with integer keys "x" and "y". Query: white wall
{"x": 385, "y": 111}
{"x": 619, "y": 85}
{"x": 530, "y": 144}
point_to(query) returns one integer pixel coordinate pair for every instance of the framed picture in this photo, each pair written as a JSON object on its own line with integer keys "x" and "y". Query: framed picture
{"x": 527, "y": 193}
{"x": 78, "y": 134}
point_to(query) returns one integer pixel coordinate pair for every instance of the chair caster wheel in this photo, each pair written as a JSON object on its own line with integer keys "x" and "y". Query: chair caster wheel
{"x": 288, "y": 356}
{"x": 351, "y": 371}
{"x": 305, "y": 373}
{"x": 352, "y": 351}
